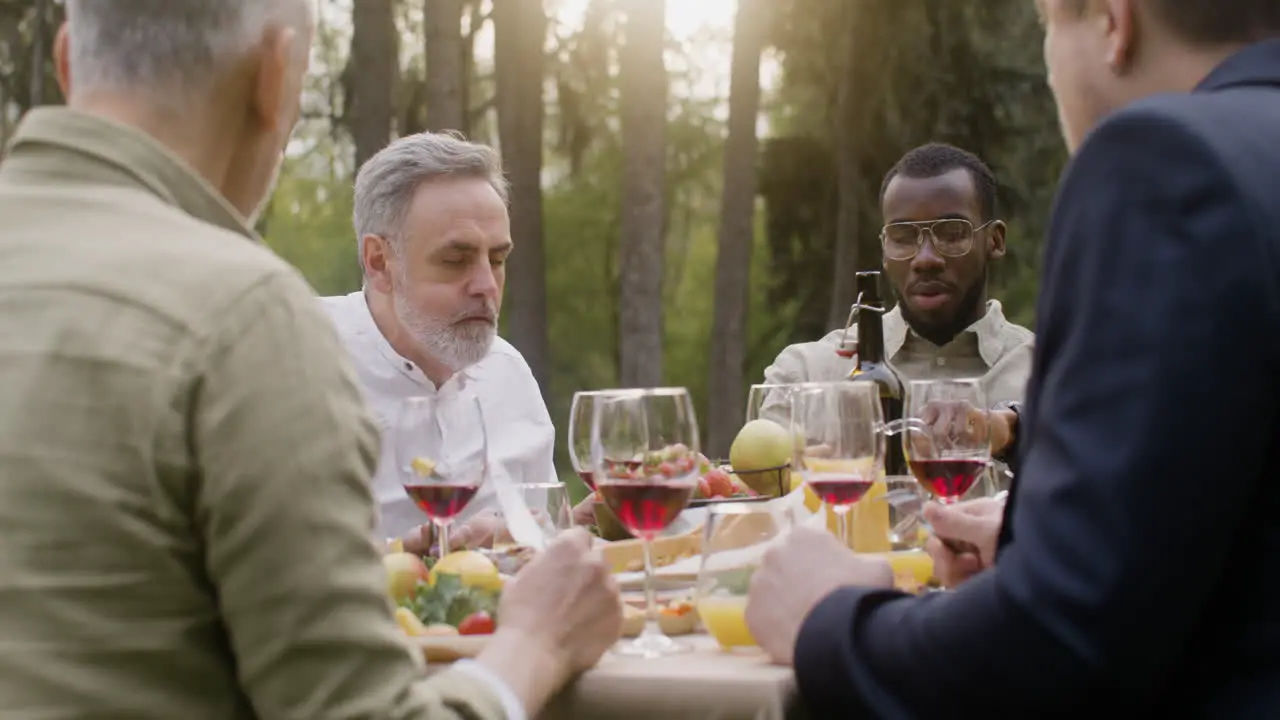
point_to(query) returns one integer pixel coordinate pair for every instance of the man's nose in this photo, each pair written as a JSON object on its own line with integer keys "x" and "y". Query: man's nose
{"x": 484, "y": 281}
{"x": 927, "y": 260}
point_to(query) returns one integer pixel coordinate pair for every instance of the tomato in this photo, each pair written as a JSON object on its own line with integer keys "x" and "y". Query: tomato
{"x": 480, "y": 623}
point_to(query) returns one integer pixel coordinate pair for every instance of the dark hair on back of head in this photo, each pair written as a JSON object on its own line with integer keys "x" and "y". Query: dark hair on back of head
{"x": 934, "y": 159}
{"x": 1213, "y": 22}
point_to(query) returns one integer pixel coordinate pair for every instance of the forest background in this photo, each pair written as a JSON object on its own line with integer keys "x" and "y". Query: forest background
{"x": 694, "y": 182}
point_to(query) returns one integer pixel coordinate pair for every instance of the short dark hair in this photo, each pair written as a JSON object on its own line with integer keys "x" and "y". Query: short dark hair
{"x": 1214, "y": 22}
{"x": 934, "y": 159}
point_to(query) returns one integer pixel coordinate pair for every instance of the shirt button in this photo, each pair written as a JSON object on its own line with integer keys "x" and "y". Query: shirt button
{"x": 408, "y": 366}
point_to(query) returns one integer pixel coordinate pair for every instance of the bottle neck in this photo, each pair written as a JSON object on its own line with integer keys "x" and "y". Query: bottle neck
{"x": 870, "y": 337}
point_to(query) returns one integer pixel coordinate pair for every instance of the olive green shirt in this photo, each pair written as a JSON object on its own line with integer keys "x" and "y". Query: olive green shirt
{"x": 185, "y": 512}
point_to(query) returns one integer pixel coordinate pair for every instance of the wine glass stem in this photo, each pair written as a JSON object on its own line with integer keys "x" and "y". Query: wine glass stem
{"x": 650, "y": 596}
{"x": 444, "y": 538}
{"x": 842, "y": 522}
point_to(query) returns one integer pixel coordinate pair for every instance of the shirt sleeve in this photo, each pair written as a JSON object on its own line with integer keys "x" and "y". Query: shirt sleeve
{"x": 283, "y": 505}
{"x": 510, "y": 703}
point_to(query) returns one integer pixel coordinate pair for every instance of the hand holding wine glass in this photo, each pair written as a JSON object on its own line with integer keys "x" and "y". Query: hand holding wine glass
{"x": 441, "y": 451}
{"x": 644, "y": 452}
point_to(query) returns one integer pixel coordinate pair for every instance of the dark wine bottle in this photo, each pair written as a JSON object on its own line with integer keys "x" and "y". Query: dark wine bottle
{"x": 874, "y": 366}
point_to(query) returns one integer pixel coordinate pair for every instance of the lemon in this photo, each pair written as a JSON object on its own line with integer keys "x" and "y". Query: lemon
{"x": 395, "y": 546}
{"x": 409, "y": 623}
{"x": 475, "y": 569}
{"x": 423, "y": 467}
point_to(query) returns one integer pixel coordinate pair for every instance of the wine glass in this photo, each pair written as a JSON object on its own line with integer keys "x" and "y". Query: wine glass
{"x": 582, "y": 413}
{"x": 734, "y": 540}
{"x": 644, "y": 453}
{"x": 550, "y": 506}
{"x": 842, "y": 455}
{"x": 441, "y": 451}
{"x": 946, "y": 436}
{"x": 771, "y": 401}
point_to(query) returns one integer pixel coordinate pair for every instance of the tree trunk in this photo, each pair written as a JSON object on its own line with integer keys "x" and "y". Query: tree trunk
{"x": 446, "y": 74}
{"x": 849, "y": 181}
{"x": 372, "y": 76}
{"x": 643, "y": 80}
{"x": 519, "y": 36}
{"x": 737, "y": 232}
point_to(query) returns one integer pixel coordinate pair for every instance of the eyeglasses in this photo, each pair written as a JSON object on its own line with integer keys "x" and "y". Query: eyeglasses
{"x": 952, "y": 237}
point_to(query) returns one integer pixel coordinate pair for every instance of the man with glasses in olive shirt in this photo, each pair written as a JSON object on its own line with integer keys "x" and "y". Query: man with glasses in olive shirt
{"x": 941, "y": 234}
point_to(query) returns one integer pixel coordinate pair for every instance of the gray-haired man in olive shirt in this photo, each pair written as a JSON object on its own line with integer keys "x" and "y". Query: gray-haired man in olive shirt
{"x": 185, "y": 511}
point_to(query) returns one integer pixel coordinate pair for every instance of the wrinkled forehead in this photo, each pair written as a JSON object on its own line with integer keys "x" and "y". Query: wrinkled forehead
{"x": 949, "y": 195}
{"x": 458, "y": 215}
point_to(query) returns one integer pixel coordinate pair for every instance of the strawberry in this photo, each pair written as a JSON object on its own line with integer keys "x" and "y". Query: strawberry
{"x": 718, "y": 483}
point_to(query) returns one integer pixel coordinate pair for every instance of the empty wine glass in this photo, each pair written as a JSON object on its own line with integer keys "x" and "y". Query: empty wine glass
{"x": 644, "y": 453}
{"x": 582, "y": 413}
{"x": 842, "y": 455}
{"x": 947, "y": 437}
{"x": 550, "y": 506}
{"x": 771, "y": 401}
{"x": 441, "y": 451}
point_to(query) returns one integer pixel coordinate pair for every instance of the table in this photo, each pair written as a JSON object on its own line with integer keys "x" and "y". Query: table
{"x": 701, "y": 685}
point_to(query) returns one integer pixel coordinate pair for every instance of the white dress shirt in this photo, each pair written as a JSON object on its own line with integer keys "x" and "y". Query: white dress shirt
{"x": 521, "y": 436}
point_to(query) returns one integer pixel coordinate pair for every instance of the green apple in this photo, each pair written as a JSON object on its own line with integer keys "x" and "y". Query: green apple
{"x": 761, "y": 444}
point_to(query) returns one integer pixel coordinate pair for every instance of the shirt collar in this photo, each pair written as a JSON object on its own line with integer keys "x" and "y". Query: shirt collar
{"x": 366, "y": 326}
{"x": 988, "y": 330}
{"x": 86, "y": 145}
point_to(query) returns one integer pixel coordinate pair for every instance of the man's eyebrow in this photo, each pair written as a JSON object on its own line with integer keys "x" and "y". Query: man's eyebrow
{"x": 466, "y": 246}
{"x": 944, "y": 216}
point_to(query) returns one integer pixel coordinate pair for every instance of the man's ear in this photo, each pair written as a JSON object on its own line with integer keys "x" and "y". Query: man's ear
{"x": 996, "y": 239}
{"x": 1117, "y": 21}
{"x": 271, "y": 86}
{"x": 377, "y": 261}
{"x": 62, "y": 60}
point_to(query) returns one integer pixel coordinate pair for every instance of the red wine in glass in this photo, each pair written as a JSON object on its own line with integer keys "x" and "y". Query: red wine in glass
{"x": 441, "y": 501}
{"x": 588, "y": 479}
{"x": 948, "y": 480}
{"x": 839, "y": 490}
{"x": 646, "y": 508}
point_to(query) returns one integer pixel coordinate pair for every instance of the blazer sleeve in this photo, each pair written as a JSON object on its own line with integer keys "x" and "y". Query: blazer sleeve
{"x": 1143, "y": 388}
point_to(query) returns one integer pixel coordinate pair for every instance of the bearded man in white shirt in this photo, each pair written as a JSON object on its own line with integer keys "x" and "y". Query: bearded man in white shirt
{"x": 434, "y": 235}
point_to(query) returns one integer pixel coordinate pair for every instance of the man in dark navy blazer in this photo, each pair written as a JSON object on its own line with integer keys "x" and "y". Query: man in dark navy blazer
{"x": 1140, "y": 564}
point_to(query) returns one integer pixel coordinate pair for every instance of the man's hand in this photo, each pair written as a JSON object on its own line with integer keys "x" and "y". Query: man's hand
{"x": 794, "y": 577}
{"x": 1004, "y": 426}
{"x": 584, "y": 513}
{"x": 973, "y": 522}
{"x": 557, "y": 617}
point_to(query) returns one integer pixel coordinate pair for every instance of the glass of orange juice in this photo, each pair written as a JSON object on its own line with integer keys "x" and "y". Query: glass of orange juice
{"x": 735, "y": 538}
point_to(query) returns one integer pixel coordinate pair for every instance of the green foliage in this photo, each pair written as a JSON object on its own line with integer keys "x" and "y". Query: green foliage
{"x": 449, "y": 601}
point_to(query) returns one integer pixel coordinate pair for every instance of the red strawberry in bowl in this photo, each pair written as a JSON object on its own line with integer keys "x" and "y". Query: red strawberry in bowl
{"x": 719, "y": 484}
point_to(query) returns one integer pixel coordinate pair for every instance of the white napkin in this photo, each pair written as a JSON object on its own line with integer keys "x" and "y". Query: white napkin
{"x": 521, "y": 524}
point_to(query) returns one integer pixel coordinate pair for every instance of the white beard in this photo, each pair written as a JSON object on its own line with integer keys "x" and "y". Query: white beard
{"x": 455, "y": 346}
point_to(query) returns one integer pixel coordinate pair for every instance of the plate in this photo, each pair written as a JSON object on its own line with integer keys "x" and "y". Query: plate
{"x": 447, "y": 648}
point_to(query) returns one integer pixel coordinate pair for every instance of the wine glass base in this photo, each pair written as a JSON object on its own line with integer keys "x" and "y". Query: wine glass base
{"x": 651, "y": 646}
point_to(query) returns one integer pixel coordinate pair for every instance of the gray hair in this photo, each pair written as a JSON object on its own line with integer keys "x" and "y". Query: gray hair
{"x": 386, "y": 183}
{"x": 169, "y": 47}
